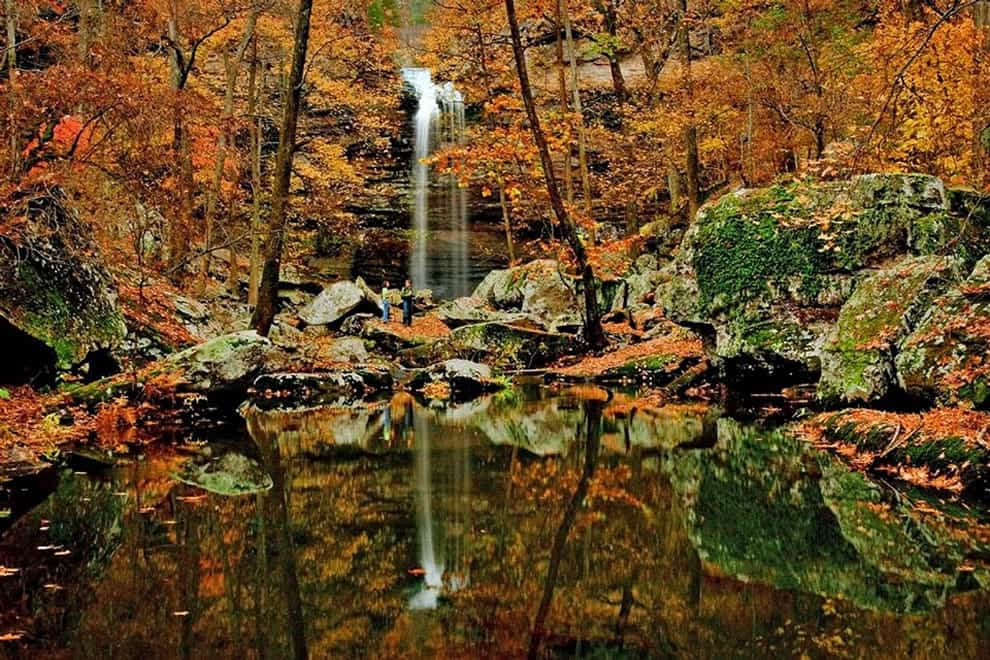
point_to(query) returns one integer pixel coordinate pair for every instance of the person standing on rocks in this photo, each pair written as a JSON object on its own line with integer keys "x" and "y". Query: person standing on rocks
{"x": 407, "y": 303}
{"x": 385, "y": 301}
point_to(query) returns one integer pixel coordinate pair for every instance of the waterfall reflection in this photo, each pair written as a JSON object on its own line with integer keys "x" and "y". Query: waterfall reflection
{"x": 443, "y": 498}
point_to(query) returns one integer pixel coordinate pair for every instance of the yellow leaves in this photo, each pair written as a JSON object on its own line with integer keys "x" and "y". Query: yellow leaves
{"x": 486, "y": 191}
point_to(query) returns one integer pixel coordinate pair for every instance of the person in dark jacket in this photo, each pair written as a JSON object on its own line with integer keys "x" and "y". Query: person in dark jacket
{"x": 407, "y": 303}
{"x": 385, "y": 301}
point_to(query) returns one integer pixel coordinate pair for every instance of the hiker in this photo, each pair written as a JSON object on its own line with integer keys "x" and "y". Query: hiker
{"x": 385, "y": 302}
{"x": 407, "y": 302}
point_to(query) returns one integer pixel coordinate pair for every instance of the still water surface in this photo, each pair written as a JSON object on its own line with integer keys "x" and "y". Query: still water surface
{"x": 541, "y": 521}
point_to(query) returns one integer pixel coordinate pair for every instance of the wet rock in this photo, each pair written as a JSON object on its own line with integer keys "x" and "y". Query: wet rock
{"x": 334, "y": 303}
{"x": 295, "y": 389}
{"x": 858, "y": 356}
{"x": 57, "y": 301}
{"x": 226, "y": 364}
{"x": 945, "y": 358}
{"x": 638, "y": 286}
{"x": 231, "y": 475}
{"x": 466, "y": 379}
{"x": 513, "y": 346}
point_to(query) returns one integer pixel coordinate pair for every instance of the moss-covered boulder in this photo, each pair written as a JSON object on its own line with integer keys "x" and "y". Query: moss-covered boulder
{"x": 226, "y": 364}
{"x": 947, "y": 357}
{"x": 858, "y": 355}
{"x": 769, "y": 269}
{"x": 53, "y": 287}
{"x": 511, "y": 346}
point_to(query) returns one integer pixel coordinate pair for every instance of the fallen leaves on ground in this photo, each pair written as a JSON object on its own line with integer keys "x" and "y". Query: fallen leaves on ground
{"x": 422, "y": 326}
{"x": 677, "y": 345}
{"x": 834, "y": 431}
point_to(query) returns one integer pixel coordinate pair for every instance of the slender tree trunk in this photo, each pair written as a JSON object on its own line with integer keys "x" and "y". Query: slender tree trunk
{"x": 15, "y": 149}
{"x": 253, "y": 94}
{"x": 981, "y": 119}
{"x": 564, "y": 108}
{"x": 506, "y": 221}
{"x": 612, "y": 28}
{"x": 264, "y": 312}
{"x": 232, "y": 69}
{"x": 578, "y": 110}
{"x": 593, "y": 332}
{"x": 179, "y": 235}
{"x": 692, "y": 175}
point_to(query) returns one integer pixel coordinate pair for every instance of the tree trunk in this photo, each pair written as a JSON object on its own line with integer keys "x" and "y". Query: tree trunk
{"x": 612, "y": 27}
{"x": 578, "y": 110}
{"x": 232, "y": 69}
{"x": 692, "y": 175}
{"x": 981, "y": 120}
{"x": 564, "y": 108}
{"x": 506, "y": 221}
{"x": 179, "y": 235}
{"x": 593, "y": 332}
{"x": 264, "y": 312}
{"x": 253, "y": 94}
{"x": 15, "y": 149}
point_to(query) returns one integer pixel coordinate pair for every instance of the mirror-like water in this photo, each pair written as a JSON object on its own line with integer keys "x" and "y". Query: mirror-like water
{"x": 539, "y": 521}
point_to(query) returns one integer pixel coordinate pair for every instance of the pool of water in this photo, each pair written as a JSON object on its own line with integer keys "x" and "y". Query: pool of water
{"x": 550, "y": 522}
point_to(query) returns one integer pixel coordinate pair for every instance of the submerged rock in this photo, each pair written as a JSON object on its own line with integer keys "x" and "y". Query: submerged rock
{"x": 947, "y": 357}
{"x": 57, "y": 300}
{"x": 858, "y": 356}
{"x": 232, "y": 474}
{"x": 465, "y": 378}
{"x": 346, "y": 385}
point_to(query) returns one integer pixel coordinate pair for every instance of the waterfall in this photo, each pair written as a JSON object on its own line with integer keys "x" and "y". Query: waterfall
{"x": 438, "y": 123}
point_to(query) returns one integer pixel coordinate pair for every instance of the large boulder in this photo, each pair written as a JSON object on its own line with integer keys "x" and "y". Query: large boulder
{"x": 769, "y": 269}
{"x": 226, "y": 364}
{"x": 858, "y": 356}
{"x": 57, "y": 301}
{"x": 470, "y": 309}
{"x": 511, "y": 346}
{"x": 539, "y": 289}
{"x": 947, "y": 356}
{"x": 334, "y": 303}
{"x": 637, "y": 287}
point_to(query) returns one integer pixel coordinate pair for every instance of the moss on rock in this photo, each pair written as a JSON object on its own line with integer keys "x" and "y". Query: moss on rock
{"x": 858, "y": 355}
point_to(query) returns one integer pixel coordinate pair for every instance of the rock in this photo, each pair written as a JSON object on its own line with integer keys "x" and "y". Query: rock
{"x": 368, "y": 292}
{"x": 858, "y": 356}
{"x": 769, "y": 269}
{"x": 231, "y": 475}
{"x": 57, "y": 303}
{"x": 464, "y": 311}
{"x": 334, "y": 303}
{"x": 190, "y": 308}
{"x": 538, "y": 289}
{"x": 354, "y": 324}
{"x": 393, "y": 338}
{"x": 343, "y": 350}
{"x": 639, "y": 285}
{"x": 509, "y": 345}
{"x": 466, "y": 379}
{"x": 286, "y": 335}
{"x": 945, "y": 358}
{"x": 226, "y": 364}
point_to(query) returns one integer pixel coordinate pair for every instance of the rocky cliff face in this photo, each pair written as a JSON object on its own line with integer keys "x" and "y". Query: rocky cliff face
{"x": 57, "y": 301}
{"x": 829, "y": 280}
